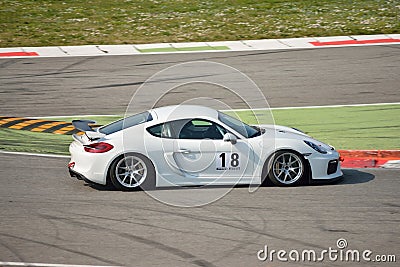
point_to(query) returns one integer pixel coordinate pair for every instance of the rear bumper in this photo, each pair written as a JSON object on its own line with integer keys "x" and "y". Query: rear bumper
{"x": 79, "y": 176}
{"x": 88, "y": 166}
{"x": 76, "y": 175}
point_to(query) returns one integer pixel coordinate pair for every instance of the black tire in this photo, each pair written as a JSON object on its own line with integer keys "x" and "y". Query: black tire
{"x": 287, "y": 168}
{"x": 139, "y": 173}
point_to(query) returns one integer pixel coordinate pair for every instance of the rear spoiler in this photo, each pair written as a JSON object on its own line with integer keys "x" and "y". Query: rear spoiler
{"x": 83, "y": 125}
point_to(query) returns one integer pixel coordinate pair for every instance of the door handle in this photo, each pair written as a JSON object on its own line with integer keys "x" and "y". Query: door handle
{"x": 184, "y": 150}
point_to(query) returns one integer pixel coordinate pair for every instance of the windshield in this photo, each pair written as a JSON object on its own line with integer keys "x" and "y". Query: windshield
{"x": 126, "y": 123}
{"x": 239, "y": 126}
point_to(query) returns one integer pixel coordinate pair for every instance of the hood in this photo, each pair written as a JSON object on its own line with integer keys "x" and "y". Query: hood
{"x": 287, "y": 132}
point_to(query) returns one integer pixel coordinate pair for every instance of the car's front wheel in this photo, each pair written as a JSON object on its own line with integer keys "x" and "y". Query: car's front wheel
{"x": 132, "y": 171}
{"x": 286, "y": 168}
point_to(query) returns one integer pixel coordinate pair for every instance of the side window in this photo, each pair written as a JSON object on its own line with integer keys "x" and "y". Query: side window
{"x": 201, "y": 129}
{"x": 161, "y": 130}
{"x": 188, "y": 129}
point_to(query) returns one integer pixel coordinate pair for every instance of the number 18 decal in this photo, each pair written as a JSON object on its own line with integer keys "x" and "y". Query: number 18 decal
{"x": 228, "y": 162}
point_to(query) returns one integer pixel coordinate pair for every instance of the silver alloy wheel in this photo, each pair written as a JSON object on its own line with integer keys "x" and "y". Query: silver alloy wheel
{"x": 131, "y": 171}
{"x": 287, "y": 168}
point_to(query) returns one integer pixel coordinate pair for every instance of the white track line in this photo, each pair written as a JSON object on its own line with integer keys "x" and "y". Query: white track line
{"x": 279, "y": 108}
{"x": 11, "y": 263}
{"x": 35, "y": 155}
{"x": 339, "y": 106}
{"x": 327, "y": 106}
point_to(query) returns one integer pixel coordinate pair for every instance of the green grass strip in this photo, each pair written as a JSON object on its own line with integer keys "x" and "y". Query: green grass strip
{"x": 368, "y": 127}
{"x": 54, "y": 22}
{"x": 34, "y": 142}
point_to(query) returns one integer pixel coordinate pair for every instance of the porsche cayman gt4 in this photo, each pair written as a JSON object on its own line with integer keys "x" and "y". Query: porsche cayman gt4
{"x": 188, "y": 145}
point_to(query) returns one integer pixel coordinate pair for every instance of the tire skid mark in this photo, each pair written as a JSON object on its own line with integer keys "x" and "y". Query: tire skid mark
{"x": 8, "y": 63}
{"x": 62, "y": 70}
{"x": 13, "y": 251}
{"x": 55, "y": 227}
{"x": 246, "y": 229}
{"x": 61, "y": 248}
{"x": 114, "y": 85}
{"x": 157, "y": 227}
{"x": 40, "y": 74}
{"x": 242, "y": 245}
{"x": 158, "y": 245}
{"x": 225, "y": 224}
{"x": 74, "y": 64}
{"x": 236, "y": 218}
{"x": 147, "y": 81}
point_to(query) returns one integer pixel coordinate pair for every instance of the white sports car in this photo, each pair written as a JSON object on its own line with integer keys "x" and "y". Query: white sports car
{"x": 195, "y": 145}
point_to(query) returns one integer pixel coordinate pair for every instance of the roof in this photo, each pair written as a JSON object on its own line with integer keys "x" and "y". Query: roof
{"x": 175, "y": 112}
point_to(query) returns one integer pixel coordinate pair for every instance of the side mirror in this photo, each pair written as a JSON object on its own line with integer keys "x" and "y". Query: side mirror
{"x": 228, "y": 137}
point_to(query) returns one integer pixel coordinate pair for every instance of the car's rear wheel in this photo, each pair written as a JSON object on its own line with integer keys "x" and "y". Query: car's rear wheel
{"x": 132, "y": 171}
{"x": 287, "y": 168}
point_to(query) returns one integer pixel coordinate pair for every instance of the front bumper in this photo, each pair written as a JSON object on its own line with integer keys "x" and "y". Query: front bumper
{"x": 325, "y": 166}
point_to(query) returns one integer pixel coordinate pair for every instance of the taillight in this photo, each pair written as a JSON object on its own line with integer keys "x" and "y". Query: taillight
{"x": 98, "y": 147}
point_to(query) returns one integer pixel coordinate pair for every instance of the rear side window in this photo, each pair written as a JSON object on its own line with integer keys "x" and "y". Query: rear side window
{"x": 155, "y": 130}
{"x": 163, "y": 130}
{"x": 126, "y": 123}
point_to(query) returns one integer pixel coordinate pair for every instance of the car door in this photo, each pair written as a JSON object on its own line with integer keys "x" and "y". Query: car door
{"x": 200, "y": 152}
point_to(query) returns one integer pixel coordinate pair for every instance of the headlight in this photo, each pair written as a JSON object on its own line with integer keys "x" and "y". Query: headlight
{"x": 317, "y": 148}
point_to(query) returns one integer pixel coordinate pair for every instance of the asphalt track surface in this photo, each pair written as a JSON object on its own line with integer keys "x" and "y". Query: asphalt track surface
{"x": 49, "y": 217}
{"x": 46, "y": 216}
{"x": 105, "y": 85}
